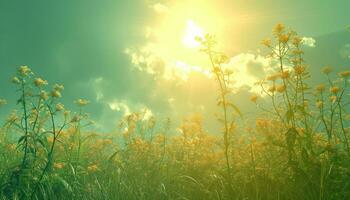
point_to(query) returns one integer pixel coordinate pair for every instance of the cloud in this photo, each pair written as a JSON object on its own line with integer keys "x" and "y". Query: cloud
{"x": 159, "y": 8}
{"x": 309, "y": 41}
{"x": 248, "y": 69}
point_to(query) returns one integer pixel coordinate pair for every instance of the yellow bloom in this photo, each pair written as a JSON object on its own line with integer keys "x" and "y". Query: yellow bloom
{"x": 279, "y": 28}
{"x": 44, "y": 95}
{"x": 92, "y": 168}
{"x": 3, "y": 102}
{"x": 281, "y": 88}
{"x": 334, "y": 89}
{"x": 38, "y": 82}
{"x": 59, "y": 107}
{"x": 56, "y": 94}
{"x": 326, "y": 70}
{"x": 344, "y": 74}
{"x": 81, "y": 102}
{"x": 285, "y": 74}
{"x": 333, "y": 99}
{"x": 272, "y": 89}
{"x": 319, "y": 104}
{"x": 58, "y": 87}
{"x": 15, "y": 80}
{"x": 266, "y": 42}
{"x": 254, "y": 98}
{"x": 24, "y": 70}
{"x": 297, "y": 40}
{"x": 58, "y": 165}
{"x": 320, "y": 88}
{"x": 273, "y": 77}
{"x": 283, "y": 38}
{"x": 299, "y": 69}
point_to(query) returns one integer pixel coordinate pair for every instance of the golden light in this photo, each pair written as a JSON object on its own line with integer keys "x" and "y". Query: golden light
{"x": 192, "y": 31}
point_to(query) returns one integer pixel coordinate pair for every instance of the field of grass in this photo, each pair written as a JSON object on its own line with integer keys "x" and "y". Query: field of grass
{"x": 296, "y": 148}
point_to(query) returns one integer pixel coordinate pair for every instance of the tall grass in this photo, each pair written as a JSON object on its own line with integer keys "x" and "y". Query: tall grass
{"x": 299, "y": 149}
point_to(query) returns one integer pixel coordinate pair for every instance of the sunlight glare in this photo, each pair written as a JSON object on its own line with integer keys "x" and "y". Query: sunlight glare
{"x": 192, "y": 31}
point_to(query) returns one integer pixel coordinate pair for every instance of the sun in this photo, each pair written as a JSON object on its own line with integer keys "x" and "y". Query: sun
{"x": 191, "y": 32}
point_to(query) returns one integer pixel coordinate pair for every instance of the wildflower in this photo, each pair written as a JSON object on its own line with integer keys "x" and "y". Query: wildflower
{"x": 281, "y": 88}
{"x": 272, "y": 89}
{"x": 66, "y": 113}
{"x": 3, "y": 102}
{"x": 266, "y": 42}
{"x": 296, "y": 40}
{"x": 56, "y": 94}
{"x": 279, "y": 28}
{"x": 76, "y": 118}
{"x": 38, "y": 82}
{"x": 326, "y": 70}
{"x": 283, "y": 38}
{"x": 58, "y": 87}
{"x": 15, "y": 80}
{"x": 273, "y": 77}
{"x": 344, "y": 74}
{"x": 298, "y": 52}
{"x": 285, "y": 74}
{"x": 58, "y": 165}
{"x": 92, "y": 168}
{"x": 254, "y": 98}
{"x": 319, "y": 104}
{"x": 299, "y": 69}
{"x": 333, "y": 99}
{"x": 59, "y": 107}
{"x": 220, "y": 59}
{"x": 334, "y": 89}
{"x": 24, "y": 70}
{"x": 43, "y": 95}
{"x": 50, "y": 140}
{"x": 81, "y": 102}
{"x": 320, "y": 88}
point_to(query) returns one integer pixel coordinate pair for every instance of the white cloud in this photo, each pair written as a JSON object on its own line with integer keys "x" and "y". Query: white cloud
{"x": 120, "y": 106}
{"x": 248, "y": 69}
{"x": 159, "y": 8}
{"x": 309, "y": 41}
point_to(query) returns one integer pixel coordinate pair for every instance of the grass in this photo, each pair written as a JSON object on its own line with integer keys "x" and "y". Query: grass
{"x": 299, "y": 149}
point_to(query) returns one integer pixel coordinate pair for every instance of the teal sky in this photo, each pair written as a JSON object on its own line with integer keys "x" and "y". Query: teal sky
{"x": 84, "y": 45}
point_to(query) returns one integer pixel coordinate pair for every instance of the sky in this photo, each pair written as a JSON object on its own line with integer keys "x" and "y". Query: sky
{"x": 126, "y": 56}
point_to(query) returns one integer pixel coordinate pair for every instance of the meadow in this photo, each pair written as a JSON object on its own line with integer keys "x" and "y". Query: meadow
{"x": 297, "y": 147}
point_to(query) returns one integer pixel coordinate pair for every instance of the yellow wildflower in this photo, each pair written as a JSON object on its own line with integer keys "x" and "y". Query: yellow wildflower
{"x": 44, "y": 95}
{"x": 299, "y": 69}
{"x": 327, "y": 70}
{"x": 319, "y": 104}
{"x": 266, "y": 42}
{"x": 3, "y": 102}
{"x": 333, "y": 99}
{"x": 254, "y": 98}
{"x": 279, "y": 28}
{"x": 56, "y": 94}
{"x": 59, "y": 107}
{"x": 38, "y": 82}
{"x": 334, "y": 89}
{"x": 58, "y": 165}
{"x": 281, "y": 88}
{"x": 24, "y": 70}
{"x": 81, "y": 102}
{"x": 320, "y": 88}
{"x": 15, "y": 80}
{"x": 92, "y": 168}
{"x": 58, "y": 87}
{"x": 344, "y": 74}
